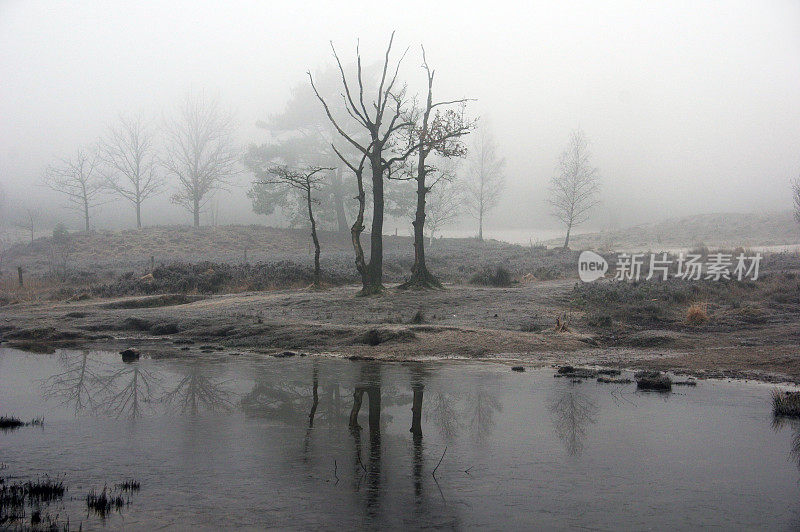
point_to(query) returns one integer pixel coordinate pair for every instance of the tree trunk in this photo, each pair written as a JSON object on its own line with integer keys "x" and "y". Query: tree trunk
{"x": 317, "y": 271}
{"x": 196, "y": 211}
{"x": 416, "y": 410}
{"x": 375, "y": 268}
{"x": 480, "y": 225}
{"x": 138, "y": 214}
{"x": 338, "y": 199}
{"x": 358, "y": 395}
{"x": 566, "y": 241}
{"x": 315, "y": 396}
{"x": 86, "y": 213}
{"x": 420, "y": 276}
{"x": 355, "y": 233}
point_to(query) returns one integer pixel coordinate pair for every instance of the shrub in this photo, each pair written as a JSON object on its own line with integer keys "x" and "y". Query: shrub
{"x": 488, "y": 276}
{"x": 697, "y": 314}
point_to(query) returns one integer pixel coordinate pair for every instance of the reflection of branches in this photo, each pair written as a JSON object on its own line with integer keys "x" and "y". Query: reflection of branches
{"x": 794, "y": 452}
{"x": 572, "y": 411}
{"x": 138, "y": 387}
{"x": 480, "y": 408}
{"x": 196, "y": 390}
{"x": 79, "y": 384}
{"x": 443, "y": 413}
{"x": 279, "y": 398}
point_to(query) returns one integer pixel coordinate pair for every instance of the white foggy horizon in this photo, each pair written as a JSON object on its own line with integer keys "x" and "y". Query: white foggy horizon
{"x": 690, "y": 108}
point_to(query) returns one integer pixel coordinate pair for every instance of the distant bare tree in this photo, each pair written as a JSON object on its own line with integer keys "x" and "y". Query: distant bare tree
{"x": 129, "y": 158}
{"x": 78, "y": 179}
{"x": 575, "y": 187}
{"x": 200, "y": 151}
{"x": 438, "y": 131}
{"x": 306, "y": 180}
{"x": 485, "y": 180}
{"x": 381, "y": 121}
{"x": 29, "y": 220}
{"x": 444, "y": 205}
{"x": 796, "y": 199}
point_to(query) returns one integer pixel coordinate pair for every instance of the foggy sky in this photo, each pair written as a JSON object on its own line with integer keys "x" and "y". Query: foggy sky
{"x": 690, "y": 107}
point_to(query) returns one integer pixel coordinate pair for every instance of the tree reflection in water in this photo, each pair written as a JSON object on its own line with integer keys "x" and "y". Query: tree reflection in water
{"x": 196, "y": 391}
{"x": 81, "y": 382}
{"x": 479, "y": 409}
{"x": 572, "y": 411}
{"x": 130, "y": 390}
{"x": 89, "y": 382}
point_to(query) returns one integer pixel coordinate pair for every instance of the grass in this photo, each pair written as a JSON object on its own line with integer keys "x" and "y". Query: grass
{"x": 104, "y": 503}
{"x": 786, "y": 403}
{"x": 653, "y": 380}
{"x": 129, "y": 485}
{"x": 10, "y": 423}
{"x": 13, "y": 423}
{"x": 34, "y": 493}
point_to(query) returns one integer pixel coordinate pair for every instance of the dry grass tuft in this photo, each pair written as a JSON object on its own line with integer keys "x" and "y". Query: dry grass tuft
{"x": 697, "y": 314}
{"x": 786, "y": 403}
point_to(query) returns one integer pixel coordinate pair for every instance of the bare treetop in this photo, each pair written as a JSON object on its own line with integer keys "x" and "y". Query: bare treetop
{"x": 78, "y": 180}
{"x": 575, "y": 187}
{"x": 200, "y": 151}
{"x": 129, "y": 158}
{"x": 485, "y": 180}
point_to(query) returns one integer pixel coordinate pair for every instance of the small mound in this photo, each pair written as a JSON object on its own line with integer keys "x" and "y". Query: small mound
{"x": 167, "y": 300}
{"x": 653, "y": 380}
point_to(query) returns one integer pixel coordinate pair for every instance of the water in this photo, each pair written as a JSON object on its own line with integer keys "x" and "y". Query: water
{"x": 228, "y": 442}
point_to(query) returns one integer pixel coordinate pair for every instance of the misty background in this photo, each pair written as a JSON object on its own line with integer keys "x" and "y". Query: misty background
{"x": 690, "y": 107}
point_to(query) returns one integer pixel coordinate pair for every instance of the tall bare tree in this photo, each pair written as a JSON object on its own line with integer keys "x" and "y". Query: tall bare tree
{"x": 796, "y": 199}
{"x": 306, "y": 180}
{"x": 130, "y": 164}
{"x": 439, "y": 131}
{"x": 485, "y": 180}
{"x": 200, "y": 151}
{"x": 575, "y": 187}
{"x": 383, "y": 121}
{"x": 78, "y": 180}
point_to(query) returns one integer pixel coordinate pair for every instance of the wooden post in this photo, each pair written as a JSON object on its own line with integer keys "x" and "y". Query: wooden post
{"x": 19, "y": 274}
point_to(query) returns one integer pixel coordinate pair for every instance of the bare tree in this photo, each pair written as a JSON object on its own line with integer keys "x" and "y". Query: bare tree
{"x": 78, "y": 179}
{"x": 383, "y": 120}
{"x": 575, "y": 187}
{"x": 129, "y": 157}
{"x": 796, "y": 199}
{"x": 438, "y": 133}
{"x": 200, "y": 151}
{"x": 485, "y": 180}
{"x": 444, "y": 205}
{"x": 305, "y": 180}
{"x": 29, "y": 220}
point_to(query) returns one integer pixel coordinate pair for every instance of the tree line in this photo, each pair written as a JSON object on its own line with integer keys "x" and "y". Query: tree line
{"x": 352, "y": 146}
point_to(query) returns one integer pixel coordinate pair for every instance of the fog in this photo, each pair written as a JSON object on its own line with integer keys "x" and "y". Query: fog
{"x": 689, "y": 107}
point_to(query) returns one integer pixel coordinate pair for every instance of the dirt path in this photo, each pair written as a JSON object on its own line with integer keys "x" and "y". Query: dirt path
{"x": 505, "y": 324}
